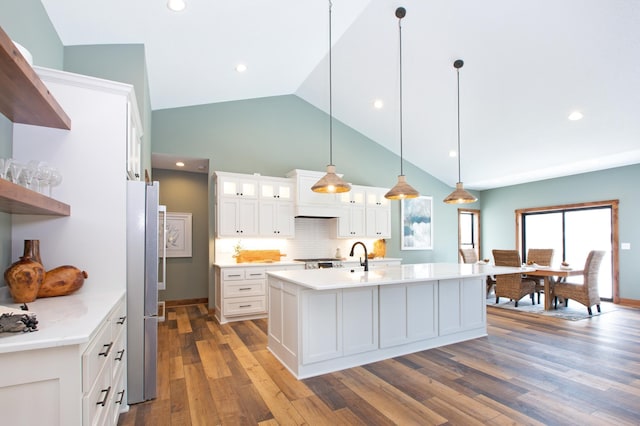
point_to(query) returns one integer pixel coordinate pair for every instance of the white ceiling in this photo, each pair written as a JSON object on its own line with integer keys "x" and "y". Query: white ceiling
{"x": 528, "y": 64}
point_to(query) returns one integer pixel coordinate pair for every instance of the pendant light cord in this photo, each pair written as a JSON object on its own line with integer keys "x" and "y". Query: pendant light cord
{"x": 459, "y": 155}
{"x": 330, "y": 95}
{"x": 400, "y": 42}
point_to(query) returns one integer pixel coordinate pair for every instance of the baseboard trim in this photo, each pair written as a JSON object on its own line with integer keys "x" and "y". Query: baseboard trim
{"x": 185, "y": 302}
{"x": 633, "y": 303}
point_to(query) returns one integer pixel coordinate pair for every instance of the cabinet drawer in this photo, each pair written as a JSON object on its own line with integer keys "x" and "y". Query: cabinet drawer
{"x": 236, "y": 274}
{"x": 96, "y": 404}
{"x": 245, "y": 306}
{"x": 119, "y": 318}
{"x": 96, "y": 356}
{"x": 118, "y": 356}
{"x": 118, "y": 400}
{"x": 244, "y": 288}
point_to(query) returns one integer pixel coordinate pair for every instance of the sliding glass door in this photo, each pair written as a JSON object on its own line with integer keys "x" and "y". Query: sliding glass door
{"x": 573, "y": 233}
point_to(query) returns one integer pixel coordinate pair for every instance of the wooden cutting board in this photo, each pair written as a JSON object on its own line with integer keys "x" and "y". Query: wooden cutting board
{"x": 246, "y": 256}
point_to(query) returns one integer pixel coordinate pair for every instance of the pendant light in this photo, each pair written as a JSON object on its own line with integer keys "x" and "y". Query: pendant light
{"x": 460, "y": 195}
{"x": 402, "y": 189}
{"x": 330, "y": 183}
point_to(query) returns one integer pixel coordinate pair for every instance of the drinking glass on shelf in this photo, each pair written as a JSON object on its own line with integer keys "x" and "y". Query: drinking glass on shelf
{"x": 55, "y": 179}
{"x": 5, "y": 163}
{"x": 15, "y": 169}
{"x": 28, "y": 173}
{"x": 43, "y": 176}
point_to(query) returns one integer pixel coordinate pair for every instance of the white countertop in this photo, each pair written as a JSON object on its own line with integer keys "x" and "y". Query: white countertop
{"x": 64, "y": 320}
{"x": 335, "y": 278}
{"x": 289, "y": 262}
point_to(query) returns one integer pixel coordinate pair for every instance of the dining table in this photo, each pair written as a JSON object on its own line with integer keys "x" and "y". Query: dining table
{"x": 550, "y": 274}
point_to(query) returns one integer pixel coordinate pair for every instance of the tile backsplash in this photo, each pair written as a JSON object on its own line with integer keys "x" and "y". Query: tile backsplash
{"x": 315, "y": 238}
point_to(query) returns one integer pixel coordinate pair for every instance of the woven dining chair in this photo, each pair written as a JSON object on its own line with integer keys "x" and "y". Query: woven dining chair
{"x": 542, "y": 257}
{"x": 468, "y": 255}
{"x": 587, "y": 292}
{"x": 513, "y": 286}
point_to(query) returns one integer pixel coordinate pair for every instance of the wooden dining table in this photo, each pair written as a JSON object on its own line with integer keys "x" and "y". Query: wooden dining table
{"x": 549, "y": 274}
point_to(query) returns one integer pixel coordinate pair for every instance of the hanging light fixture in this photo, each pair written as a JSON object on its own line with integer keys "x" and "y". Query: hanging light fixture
{"x": 402, "y": 188}
{"x": 460, "y": 195}
{"x": 330, "y": 182}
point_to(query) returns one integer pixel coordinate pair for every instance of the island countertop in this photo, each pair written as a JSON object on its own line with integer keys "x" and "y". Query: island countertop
{"x": 336, "y": 278}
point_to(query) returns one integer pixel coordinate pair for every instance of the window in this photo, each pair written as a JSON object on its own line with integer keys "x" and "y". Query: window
{"x": 469, "y": 229}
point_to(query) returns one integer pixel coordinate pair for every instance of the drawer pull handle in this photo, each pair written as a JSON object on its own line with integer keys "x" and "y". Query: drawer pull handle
{"x": 121, "y": 393}
{"x": 120, "y": 355}
{"x": 255, "y": 275}
{"x": 106, "y": 396}
{"x": 105, "y": 352}
{"x": 245, "y": 306}
{"x": 121, "y": 320}
{"x": 244, "y": 288}
{"x": 233, "y": 275}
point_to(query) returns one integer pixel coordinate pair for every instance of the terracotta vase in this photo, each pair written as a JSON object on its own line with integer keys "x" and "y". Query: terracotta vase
{"x": 32, "y": 250}
{"x": 24, "y": 279}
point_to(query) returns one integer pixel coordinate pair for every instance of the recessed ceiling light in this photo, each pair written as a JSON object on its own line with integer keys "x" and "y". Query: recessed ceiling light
{"x": 575, "y": 115}
{"x": 177, "y": 5}
{"x": 241, "y": 67}
{"x": 378, "y": 104}
{"x": 180, "y": 164}
{"x": 453, "y": 153}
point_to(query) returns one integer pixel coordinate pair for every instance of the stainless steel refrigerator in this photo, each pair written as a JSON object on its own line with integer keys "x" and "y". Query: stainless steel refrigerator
{"x": 145, "y": 266}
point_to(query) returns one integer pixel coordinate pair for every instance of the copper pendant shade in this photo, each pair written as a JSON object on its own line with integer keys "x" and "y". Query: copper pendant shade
{"x": 460, "y": 195}
{"x": 330, "y": 183}
{"x": 402, "y": 189}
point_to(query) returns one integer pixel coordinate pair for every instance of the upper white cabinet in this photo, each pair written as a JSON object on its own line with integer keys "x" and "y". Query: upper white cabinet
{"x": 378, "y": 213}
{"x": 276, "y": 207}
{"x": 237, "y": 205}
{"x": 351, "y": 223}
{"x": 134, "y": 141}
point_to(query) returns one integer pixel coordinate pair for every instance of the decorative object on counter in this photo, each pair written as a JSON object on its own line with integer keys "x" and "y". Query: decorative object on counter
{"x": 402, "y": 189}
{"x": 459, "y": 195}
{"x": 32, "y": 250}
{"x": 338, "y": 253}
{"x": 24, "y": 279}
{"x": 62, "y": 281}
{"x": 17, "y": 321}
{"x": 379, "y": 248}
{"x": 261, "y": 256}
{"x": 417, "y": 224}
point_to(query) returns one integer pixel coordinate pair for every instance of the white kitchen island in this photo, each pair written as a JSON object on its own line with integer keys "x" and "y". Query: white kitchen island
{"x": 330, "y": 319}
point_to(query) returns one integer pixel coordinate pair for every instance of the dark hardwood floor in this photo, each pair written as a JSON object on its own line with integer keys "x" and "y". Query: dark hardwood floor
{"x": 529, "y": 370}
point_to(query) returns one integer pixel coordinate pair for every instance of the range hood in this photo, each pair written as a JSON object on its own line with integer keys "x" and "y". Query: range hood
{"x": 309, "y": 203}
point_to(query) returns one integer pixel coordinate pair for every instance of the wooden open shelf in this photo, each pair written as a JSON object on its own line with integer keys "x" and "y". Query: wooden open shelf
{"x": 24, "y": 98}
{"x": 18, "y": 199}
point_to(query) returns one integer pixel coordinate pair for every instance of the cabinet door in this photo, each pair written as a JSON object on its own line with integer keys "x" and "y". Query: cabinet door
{"x": 237, "y": 217}
{"x": 465, "y": 302}
{"x": 351, "y": 223}
{"x": 281, "y": 189}
{"x": 408, "y": 313}
{"x": 321, "y": 325}
{"x": 237, "y": 186}
{"x": 378, "y": 222}
{"x": 277, "y": 219}
{"x": 360, "y": 320}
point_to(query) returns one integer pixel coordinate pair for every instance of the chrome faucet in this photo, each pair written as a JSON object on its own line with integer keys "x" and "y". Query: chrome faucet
{"x": 366, "y": 256}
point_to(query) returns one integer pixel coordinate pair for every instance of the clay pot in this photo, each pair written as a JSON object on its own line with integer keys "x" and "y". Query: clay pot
{"x": 24, "y": 279}
{"x": 62, "y": 281}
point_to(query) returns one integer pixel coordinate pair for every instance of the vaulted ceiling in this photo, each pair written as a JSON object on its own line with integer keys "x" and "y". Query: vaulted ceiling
{"x": 528, "y": 66}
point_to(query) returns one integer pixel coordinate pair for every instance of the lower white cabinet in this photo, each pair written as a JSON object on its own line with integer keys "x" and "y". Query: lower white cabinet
{"x": 470, "y": 309}
{"x": 241, "y": 292}
{"x": 68, "y": 384}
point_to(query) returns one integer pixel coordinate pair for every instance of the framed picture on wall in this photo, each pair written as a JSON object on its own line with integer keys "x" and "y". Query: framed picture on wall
{"x": 417, "y": 223}
{"x": 178, "y": 234}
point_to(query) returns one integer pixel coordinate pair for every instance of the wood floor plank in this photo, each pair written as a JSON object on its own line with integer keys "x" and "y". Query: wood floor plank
{"x": 528, "y": 370}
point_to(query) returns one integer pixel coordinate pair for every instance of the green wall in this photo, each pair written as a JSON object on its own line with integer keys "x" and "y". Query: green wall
{"x": 274, "y": 135}
{"x": 499, "y": 205}
{"x": 183, "y": 192}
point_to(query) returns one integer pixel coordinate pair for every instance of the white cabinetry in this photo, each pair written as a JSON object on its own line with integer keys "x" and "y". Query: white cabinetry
{"x": 276, "y": 208}
{"x": 469, "y": 311}
{"x": 237, "y": 205}
{"x": 351, "y": 223}
{"x": 241, "y": 293}
{"x": 378, "y": 213}
{"x": 61, "y": 383}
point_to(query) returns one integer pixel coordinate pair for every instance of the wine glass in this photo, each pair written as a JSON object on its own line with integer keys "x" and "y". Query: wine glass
{"x": 55, "y": 179}
{"x": 15, "y": 169}
{"x": 5, "y": 163}
{"x": 43, "y": 176}
{"x": 28, "y": 173}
